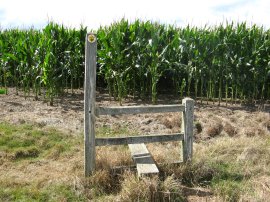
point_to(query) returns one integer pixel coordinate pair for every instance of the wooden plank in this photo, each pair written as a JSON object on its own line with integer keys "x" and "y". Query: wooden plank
{"x": 117, "y": 110}
{"x": 143, "y": 159}
{"x": 187, "y": 128}
{"x": 89, "y": 103}
{"x": 138, "y": 139}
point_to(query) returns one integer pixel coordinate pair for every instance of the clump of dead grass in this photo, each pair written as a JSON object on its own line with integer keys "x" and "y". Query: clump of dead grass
{"x": 111, "y": 156}
{"x": 230, "y": 129}
{"x": 260, "y": 188}
{"x": 198, "y": 127}
{"x": 165, "y": 153}
{"x": 26, "y": 153}
{"x": 56, "y": 151}
{"x": 254, "y": 131}
{"x": 134, "y": 189}
{"x": 261, "y": 117}
{"x": 101, "y": 183}
{"x": 149, "y": 189}
{"x": 171, "y": 184}
{"x": 266, "y": 122}
{"x": 214, "y": 129}
{"x": 172, "y": 121}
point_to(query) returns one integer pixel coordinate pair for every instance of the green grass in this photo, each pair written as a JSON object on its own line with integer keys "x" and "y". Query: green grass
{"x": 26, "y": 144}
{"x": 60, "y": 192}
{"x": 2, "y": 91}
{"x": 107, "y": 131}
{"x": 229, "y": 181}
{"x": 28, "y": 141}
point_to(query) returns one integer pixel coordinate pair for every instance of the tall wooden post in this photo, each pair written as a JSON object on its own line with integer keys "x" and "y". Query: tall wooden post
{"x": 187, "y": 128}
{"x": 89, "y": 103}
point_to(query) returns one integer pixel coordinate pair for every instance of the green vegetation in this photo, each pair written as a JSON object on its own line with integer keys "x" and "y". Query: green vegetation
{"x": 60, "y": 192}
{"x": 51, "y": 59}
{"x": 29, "y": 144}
{"x": 221, "y": 62}
{"x": 3, "y": 91}
{"x": 28, "y": 141}
{"x": 228, "y": 62}
{"x": 114, "y": 131}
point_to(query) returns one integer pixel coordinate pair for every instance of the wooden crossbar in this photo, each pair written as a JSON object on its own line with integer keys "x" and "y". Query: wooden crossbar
{"x": 117, "y": 110}
{"x": 139, "y": 139}
{"x": 143, "y": 159}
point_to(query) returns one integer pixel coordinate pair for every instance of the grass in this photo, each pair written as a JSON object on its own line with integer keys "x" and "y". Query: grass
{"x": 28, "y": 141}
{"x": 60, "y": 192}
{"x": 106, "y": 131}
{"x": 24, "y": 145}
{"x": 2, "y": 91}
{"x": 44, "y": 164}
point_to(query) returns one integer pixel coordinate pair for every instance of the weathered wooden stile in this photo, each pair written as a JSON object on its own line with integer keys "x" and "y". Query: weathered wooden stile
{"x": 141, "y": 156}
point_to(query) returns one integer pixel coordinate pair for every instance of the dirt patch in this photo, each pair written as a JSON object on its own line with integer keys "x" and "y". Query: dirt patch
{"x": 67, "y": 115}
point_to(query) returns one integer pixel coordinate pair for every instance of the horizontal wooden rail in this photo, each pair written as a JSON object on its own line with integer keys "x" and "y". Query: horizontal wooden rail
{"x": 138, "y": 139}
{"x": 117, "y": 110}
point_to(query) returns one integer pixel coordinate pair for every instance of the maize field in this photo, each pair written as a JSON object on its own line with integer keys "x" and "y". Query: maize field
{"x": 142, "y": 58}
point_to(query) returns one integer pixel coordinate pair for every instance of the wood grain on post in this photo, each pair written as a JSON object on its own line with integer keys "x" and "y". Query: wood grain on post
{"x": 138, "y": 139}
{"x": 89, "y": 103}
{"x": 187, "y": 128}
{"x": 117, "y": 110}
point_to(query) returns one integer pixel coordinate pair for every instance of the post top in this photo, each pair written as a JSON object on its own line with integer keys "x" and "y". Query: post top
{"x": 187, "y": 99}
{"x": 91, "y": 37}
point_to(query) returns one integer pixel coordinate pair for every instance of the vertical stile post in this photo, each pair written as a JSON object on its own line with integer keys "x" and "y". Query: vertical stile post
{"x": 89, "y": 103}
{"x": 187, "y": 128}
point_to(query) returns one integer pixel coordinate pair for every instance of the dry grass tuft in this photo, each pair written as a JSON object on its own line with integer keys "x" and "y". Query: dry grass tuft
{"x": 266, "y": 123}
{"x": 170, "y": 190}
{"x": 103, "y": 180}
{"x": 30, "y": 152}
{"x": 230, "y": 129}
{"x": 171, "y": 184}
{"x": 165, "y": 152}
{"x": 100, "y": 183}
{"x": 149, "y": 189}
{"x": 214, "y": 129}
{"x": 261, "y": 186}
{"x": 199, "y": 173}
{"x": 56, "y": 151}
{"x": 254, "y": 131}
{"x": 250, "y": 154}
{"x": 261, "y": 117}
{"x": 111, "y": 156}
{"x": 172, "y": 121}
{"x": 198, "y": 127}
{"x": 134, "y": 189}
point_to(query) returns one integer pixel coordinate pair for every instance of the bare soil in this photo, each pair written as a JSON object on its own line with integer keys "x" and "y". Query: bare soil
{"x": 67, "y": 115}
